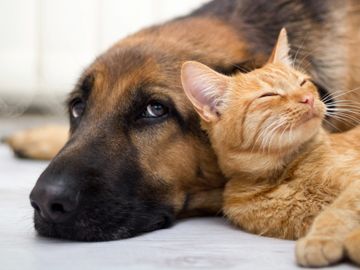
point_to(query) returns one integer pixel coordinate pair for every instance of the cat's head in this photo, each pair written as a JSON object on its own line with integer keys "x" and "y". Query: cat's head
{"x": 274, "y": 108}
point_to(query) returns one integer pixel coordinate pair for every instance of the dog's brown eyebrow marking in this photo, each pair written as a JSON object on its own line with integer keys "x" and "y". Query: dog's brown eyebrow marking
{"x": 86, "y": 85}
{"x": 82, "y": 89}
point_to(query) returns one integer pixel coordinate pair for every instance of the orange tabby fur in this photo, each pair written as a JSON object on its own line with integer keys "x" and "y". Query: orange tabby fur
{"x": 289, "y": 178}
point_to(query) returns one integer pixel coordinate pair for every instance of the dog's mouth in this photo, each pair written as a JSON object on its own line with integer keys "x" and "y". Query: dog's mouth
{"x": 104, "y": 227}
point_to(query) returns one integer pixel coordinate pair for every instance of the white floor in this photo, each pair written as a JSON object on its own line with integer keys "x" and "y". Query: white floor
{"x": 201, "y": 243}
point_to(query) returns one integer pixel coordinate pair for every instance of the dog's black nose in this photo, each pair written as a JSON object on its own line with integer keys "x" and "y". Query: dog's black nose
{"x": 55, "y": 202}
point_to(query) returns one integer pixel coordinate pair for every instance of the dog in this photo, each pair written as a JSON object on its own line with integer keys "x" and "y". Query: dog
{"x": 136, "y": 158}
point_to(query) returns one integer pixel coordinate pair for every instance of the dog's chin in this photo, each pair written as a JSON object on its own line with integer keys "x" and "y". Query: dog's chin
{"x": 87, "y": 230}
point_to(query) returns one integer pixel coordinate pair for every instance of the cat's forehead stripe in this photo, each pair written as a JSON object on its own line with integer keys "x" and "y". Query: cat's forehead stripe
{"x": 276, "y": 77}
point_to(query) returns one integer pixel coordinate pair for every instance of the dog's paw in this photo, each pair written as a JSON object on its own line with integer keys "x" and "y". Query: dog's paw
{"x": 38, "y": 143}
{"x": 352, "y": 246}
{"x": 318, "y": 252}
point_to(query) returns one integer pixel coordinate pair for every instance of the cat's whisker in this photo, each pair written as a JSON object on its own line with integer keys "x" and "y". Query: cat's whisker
{"x": 259, "y": 136}
{"x": 346, "y": 108}
{"x": 272, "y": 134}
{"x": 265, "y": 136}
{"x": 342, "y": 104}
{"x": 264, "y": 132}
{"x": 326, "y": 98}
{"x": 333, "y": 126}
{"x": 349, "y": 122}
{"x": 345, "y": 117}
{"x": 283, "y": 132}
{"x": 346, "y": 100}
{"x": 268, "y": 143}
{"x": 332, "y": 113}
{"x": 330, "y": 94}
{"x": 291, "y": 134}
{"x": 338, "y": 91}
{"x": 331, "y": 97}
{"x": 343, "y": 111}
{"x": 342, "y": 93}
{"x": 342, "y": 116}
{"x": 343, "y": 101}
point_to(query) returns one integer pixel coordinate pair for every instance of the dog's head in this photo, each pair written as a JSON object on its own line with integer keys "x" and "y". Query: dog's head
{"x": 136, "y": 157}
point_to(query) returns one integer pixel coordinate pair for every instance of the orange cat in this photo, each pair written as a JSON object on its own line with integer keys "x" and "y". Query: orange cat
{"x": 289, "y": 178}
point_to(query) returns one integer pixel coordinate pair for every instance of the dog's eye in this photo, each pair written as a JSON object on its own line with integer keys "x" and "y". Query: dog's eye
{"x": 154, "y": 110}
{"x": 270, "y": 94}
{"x": 77, "y": 108}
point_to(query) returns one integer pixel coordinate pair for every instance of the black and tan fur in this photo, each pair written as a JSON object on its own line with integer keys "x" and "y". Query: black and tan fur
{"x": 136, "y": 174}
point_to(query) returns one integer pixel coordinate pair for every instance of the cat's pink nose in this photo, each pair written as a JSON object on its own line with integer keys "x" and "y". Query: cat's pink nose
{"x": 308, "y": 99}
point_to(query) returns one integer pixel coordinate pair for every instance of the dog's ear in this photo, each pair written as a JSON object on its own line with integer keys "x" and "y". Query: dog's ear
{"x": 204, "y": 87}
{"x": 280, "y": 53}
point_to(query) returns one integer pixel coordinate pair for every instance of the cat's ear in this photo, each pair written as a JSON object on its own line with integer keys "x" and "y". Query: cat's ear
{"x": 280, "y": 53}
{"x": 204, "y": 87}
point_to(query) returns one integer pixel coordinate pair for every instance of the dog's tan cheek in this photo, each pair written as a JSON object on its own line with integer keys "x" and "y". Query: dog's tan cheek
{"x": 167, "y": 156}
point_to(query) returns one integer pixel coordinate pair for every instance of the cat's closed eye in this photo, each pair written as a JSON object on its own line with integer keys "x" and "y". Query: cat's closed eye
{"x": 269, "y": 94}
{"x": 303, "y": 82}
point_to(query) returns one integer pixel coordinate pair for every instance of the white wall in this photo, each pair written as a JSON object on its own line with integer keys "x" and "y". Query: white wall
{"x": 45, "y": 44}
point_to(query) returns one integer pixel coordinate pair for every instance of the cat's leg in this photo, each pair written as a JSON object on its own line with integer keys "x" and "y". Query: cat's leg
{"x": 280, "y": 211}
{"x": 325, "y": 242}
{"x": 352, "y": 246}
{"x": 41, "y": 143}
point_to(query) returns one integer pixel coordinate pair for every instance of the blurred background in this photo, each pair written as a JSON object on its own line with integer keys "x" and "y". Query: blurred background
{"x": 45, "y": 45}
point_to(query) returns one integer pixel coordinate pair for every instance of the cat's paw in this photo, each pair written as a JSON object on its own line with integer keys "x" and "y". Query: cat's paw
{"x": 352, "y": 246}
{"x": 318, "y": 251}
